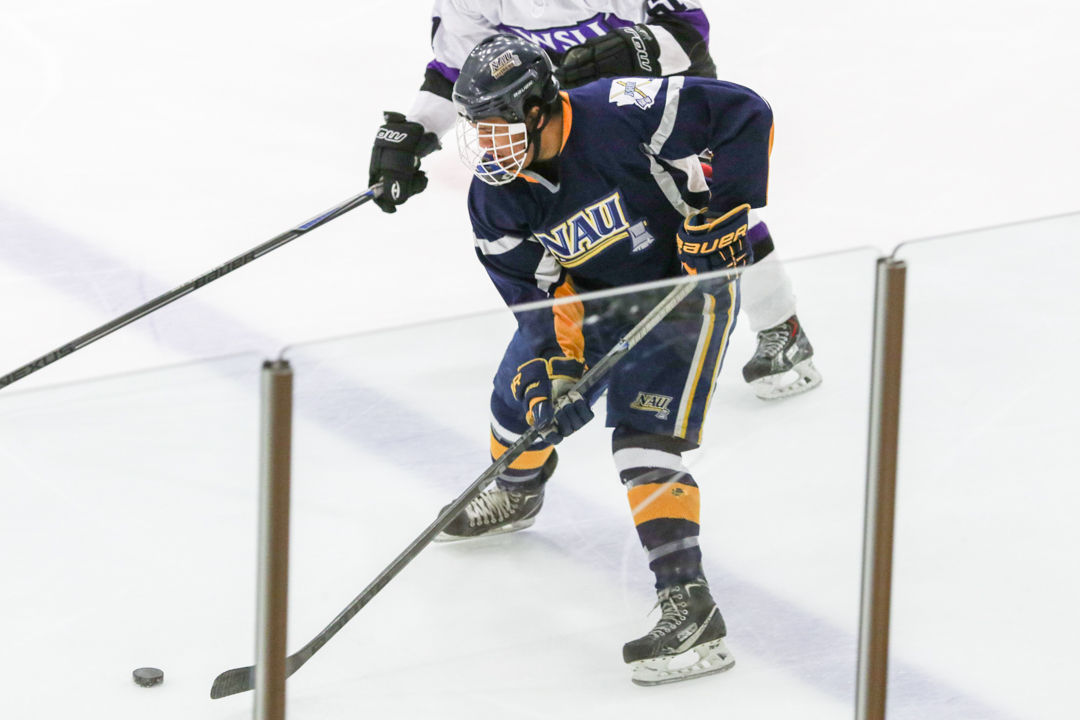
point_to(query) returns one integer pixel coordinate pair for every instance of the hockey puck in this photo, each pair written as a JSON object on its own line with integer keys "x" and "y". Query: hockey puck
{"x": 148, "y": 677}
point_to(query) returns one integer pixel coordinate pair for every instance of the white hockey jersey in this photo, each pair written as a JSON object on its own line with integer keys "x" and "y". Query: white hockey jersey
{"x": 680, "y": 27}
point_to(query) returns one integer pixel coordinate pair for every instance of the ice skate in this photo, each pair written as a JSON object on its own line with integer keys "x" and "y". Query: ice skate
{"x": 782, "y": 365}
{"x": 497, "y": 510}
{"x": 687, "y": 642}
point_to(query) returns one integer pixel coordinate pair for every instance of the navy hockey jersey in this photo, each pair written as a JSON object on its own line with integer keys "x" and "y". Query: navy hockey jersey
{"x": 628, "y": 174}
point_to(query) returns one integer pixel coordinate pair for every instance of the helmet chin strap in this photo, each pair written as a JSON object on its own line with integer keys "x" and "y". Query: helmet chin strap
{"x": 532, "y": 136}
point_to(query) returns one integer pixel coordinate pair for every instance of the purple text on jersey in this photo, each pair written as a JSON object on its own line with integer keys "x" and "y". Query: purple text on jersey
{"x": 561, "y": 39}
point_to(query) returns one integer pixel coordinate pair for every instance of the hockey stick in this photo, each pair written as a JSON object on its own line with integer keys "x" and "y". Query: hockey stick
{"x": 242, "y": 679}
{"x": 163, "y": 300}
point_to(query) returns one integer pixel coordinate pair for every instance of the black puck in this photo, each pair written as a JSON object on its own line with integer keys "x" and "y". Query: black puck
{"x": 148, "y": 677}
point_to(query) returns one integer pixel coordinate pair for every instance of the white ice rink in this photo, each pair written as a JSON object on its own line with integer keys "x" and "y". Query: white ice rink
{"x": 141, "y": 144}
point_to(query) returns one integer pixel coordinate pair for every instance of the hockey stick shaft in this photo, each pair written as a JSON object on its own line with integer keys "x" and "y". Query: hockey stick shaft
{"x": 242, "y": 679}
{"x": 189, "y": 287}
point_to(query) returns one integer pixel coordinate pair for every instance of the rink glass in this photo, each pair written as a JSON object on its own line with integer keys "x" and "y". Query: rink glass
{"x": 130, "y": 515}
{"x": 986, "y": 582}
{"x": 392, "y": 425}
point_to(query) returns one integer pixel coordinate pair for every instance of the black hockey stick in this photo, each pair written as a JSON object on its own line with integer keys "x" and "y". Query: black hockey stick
{"x": 242, "y": 679}
{"x": 163, "y": 300}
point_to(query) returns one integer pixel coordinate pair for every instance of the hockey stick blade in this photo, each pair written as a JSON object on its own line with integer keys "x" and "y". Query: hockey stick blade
{"x": 238, "y": 680}
{"x": 242, "y": 679}
{"x": 233, "y": 681}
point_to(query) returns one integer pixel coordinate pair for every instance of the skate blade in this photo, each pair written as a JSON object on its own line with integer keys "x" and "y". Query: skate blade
{"x": 705, "y": 659}
{"x": 512, "y": 527}
{"x": 799, "y": 379}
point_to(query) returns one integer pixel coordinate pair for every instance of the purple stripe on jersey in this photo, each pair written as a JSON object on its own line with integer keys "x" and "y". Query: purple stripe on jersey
{"x": 445, "y": 70}
{"x": 616, "y": 22}
{"x": 697, "y": 20}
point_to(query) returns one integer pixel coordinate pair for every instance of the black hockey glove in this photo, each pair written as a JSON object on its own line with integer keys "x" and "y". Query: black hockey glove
{"x": 625, "y": 52}
{"x": 542, "y": 386}
{"x": 708, "y": 241}
{"x": 395, "y": 160}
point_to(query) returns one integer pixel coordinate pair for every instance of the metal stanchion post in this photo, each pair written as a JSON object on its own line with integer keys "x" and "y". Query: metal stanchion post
{"x": 273, "y": 582}
{"x": 872, "y": 674}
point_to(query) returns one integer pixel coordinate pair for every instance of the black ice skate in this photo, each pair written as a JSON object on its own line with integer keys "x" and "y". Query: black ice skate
{"x": 687, "y": 642}
{"x": 782, "y": 364}
{"x": 497, "y": 510}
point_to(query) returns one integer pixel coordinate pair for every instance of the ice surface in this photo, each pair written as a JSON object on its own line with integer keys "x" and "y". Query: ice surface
{"x": 142, "y": 144}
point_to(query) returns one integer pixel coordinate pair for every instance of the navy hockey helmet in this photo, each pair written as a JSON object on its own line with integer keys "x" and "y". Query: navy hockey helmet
{"x": 504, "y": 76}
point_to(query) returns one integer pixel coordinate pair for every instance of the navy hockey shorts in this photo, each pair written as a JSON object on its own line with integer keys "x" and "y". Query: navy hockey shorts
{"x": 663, "y": 386}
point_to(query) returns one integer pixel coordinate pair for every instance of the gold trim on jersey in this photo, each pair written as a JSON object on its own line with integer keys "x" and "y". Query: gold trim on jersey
{"x": 569, "y": 321}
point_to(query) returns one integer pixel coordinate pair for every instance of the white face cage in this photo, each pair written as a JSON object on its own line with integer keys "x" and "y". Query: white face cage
{"x": 494, "y": 151}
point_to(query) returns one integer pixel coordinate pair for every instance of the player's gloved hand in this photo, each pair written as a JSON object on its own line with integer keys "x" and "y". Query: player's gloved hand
{"x": 709, "y": 241}
{"x": 395, "y": 160}
{"x": 543, "y": 385}
{"x": 625, "y": 52}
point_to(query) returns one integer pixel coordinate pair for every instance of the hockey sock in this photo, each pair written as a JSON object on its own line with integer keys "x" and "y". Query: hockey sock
{"x": 768, "y": 298}
{"x": 759, "y": 237}
{"x": 526, "y": 472}
{"x": 664, "y": 501}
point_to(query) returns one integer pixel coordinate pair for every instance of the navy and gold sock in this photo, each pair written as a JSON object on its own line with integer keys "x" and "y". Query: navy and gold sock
{"x": 664, "y": 501}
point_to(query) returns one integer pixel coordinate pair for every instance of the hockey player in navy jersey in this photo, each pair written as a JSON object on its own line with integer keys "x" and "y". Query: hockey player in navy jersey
{"x": 595, "y": 188}
{"x": 589, "y": 39}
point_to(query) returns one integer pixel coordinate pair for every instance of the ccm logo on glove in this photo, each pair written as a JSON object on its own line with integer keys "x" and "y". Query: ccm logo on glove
{"x": 638, "y": 43}
{"x": 391, "y": 135}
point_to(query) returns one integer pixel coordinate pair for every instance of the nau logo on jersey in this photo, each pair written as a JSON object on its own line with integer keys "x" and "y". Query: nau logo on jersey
{"x": 651, "y": 402}
{"x": 588, "y": 232}
{"x": 502, "y": 63}
{"x": 635, "y": 91}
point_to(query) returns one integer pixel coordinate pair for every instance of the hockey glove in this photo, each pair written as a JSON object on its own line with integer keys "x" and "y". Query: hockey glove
{"x": 542, "y": 386}
{"x": 708, "y": 241}
{"x": 625, "y": 52}
{"x": 395, "y": 160}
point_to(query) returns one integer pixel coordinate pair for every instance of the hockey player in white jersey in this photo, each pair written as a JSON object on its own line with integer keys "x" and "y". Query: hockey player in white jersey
{"x": 589, "y": 39}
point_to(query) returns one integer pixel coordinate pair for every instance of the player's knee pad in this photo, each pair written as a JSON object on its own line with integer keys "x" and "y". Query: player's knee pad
{"x": 507, "y": 416}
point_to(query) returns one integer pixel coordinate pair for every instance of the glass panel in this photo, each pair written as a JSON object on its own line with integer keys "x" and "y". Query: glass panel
{"x": 393, "y": 425}
{"x": 986, "y": 579}
{"x": 127, "y": 529}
